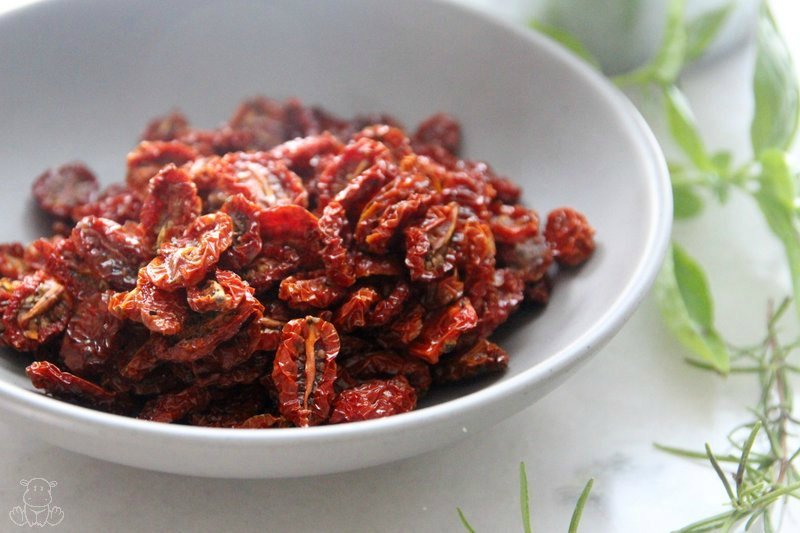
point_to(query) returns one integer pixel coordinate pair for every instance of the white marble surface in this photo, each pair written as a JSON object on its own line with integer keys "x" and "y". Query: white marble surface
{"x": 601, "y": 423}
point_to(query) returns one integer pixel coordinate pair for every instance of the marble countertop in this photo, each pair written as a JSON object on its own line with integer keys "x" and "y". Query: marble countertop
{"x": 602, "y": 423}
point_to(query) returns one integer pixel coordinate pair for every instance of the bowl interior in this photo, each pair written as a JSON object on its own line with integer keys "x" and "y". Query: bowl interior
{"x": 80, "y": 80}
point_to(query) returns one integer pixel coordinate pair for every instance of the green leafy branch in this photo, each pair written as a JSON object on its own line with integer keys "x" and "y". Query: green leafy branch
{"x": 765, "y": 474}
{"x": 762, "y": 479}
{"x": 767, "y": 178}
{"x": 683, "y": 289}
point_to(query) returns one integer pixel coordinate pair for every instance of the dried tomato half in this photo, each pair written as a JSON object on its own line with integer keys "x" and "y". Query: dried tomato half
{"x": 12, "y": 260}
{"x": 217, "y": 295}
{"x": 185, "y": 261}
{"x": 175, "y": 406}
{"x": 387, "y": 364}
{"x": 91, "y": 335}
{"x": 310, "y": 291}
{"x": 166, "y": 128}
{"x": 147, "y": 159}
{"x": 440, "y": 130}
{"x": 442, "y": 330}
{"x": 114, "y": 253}
{"x": 37, "y": 310}
{"x": 305, "y": 370}
{"x": 170, "y": 205}
{"x": 353, "y": 312}
{"x": 163, "y": 312}
{"x": 203, "y": 333}
{"x": 513, "y": 223}
{"x": 247, "y": 241}
{"x": 374, "y": 399}
{"x": 59, "y": 191}
{"x": 484, "y": 357}
{"x": 570, "y": 235}
{"x": 117, "y": 203}
{"x": 429, "y": 255}
{"x": 71, "y": 388}
{"x": 356, "y": 157}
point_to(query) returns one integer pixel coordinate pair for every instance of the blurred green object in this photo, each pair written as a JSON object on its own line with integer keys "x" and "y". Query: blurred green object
{"x": 624, "y": 34}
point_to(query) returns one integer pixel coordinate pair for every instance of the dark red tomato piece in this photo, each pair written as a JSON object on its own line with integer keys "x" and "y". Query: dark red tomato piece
{"x": 91, "y": 335}
{"x": 357, "y": 157}
{"x": 273, "y": 264}
{"x": 429, "y": 255}
{"x": 265, "y": 421}
{"x": 387, "y": 364}
{"x": 314, "y": 291}
{"x": 58, "y": 191}
{"x": 147, "y": 159}
{"x": 484, "y": 357}
{"x": 113, "y": 252}
{"x": 170, "y": 205}
{"x": 167, "y": 127}
{"x": 263, "y": 119}
{"x": 221, "y": 294}
{"x": 37, "y": 310}
{"x": 570, "y": 235}
{"x": 288, "y": 224}
{"x": 305, "y": 370}
{"x": 247, "y": 241}
{"x": 374, "y": 399}
{"x": 204, "y": 333}
{"x": 185, "y": 261}
{"x": 12, "y": 260}
{"x": 73, "y": 389}
{"x": 512, "y": 224}
{"x": 163, "y": 312}
{"x": 502, "y": 298}
{"x": 117, "y": 203}
{"x": 354, "y": 311}
{"x": 173, "y": 407}
{"x": 441, "y": 332}
{"x": 440, "y": 130}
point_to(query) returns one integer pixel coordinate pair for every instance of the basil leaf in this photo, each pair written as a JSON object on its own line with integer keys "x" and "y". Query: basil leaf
{"x": 686, "y": 203}
{"x": 702, "y": 30}
{"x": 693, "y": 287}
{"x": 683, "y": 128}
{"x": 669, "y": 60}
{"x": 565, "y": 39}
{"x": 722, "y": 162}
{"x": 777, "y": 179}
{"x": 686, "y": 305}
{"x": 776, "y": 201}
{"x": 775, "y": 89}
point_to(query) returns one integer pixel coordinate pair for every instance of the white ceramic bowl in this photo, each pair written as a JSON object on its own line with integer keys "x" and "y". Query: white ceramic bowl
{"x": 79, "y": 80}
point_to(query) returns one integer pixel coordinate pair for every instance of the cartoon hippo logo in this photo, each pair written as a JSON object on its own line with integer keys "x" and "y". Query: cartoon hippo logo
{"x": 37, "y": 510}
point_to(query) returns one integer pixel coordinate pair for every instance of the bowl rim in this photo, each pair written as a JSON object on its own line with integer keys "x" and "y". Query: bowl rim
{"x": 606, "y": 326}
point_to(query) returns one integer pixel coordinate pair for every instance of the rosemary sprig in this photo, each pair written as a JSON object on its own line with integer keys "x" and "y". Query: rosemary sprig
{"x": 766, "y": 473}
{"x": 524, "y": 505}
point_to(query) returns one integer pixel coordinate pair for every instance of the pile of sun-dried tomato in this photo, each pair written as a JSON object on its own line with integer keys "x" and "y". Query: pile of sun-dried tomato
{"x": 286, "y": 269}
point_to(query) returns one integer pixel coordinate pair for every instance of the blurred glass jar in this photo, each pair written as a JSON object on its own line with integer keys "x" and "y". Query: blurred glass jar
{"x": 623, "y": 34}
